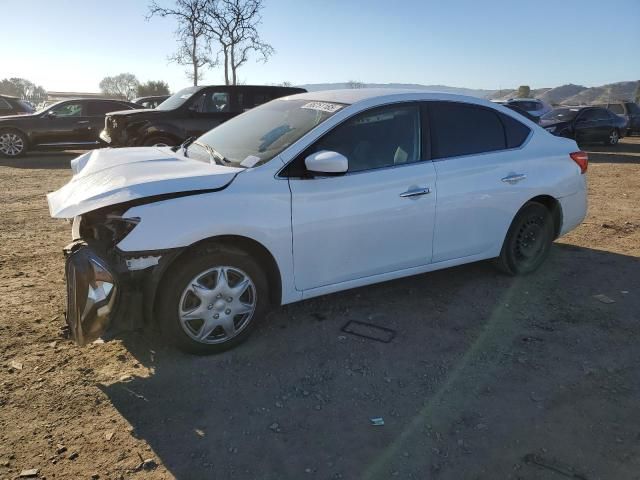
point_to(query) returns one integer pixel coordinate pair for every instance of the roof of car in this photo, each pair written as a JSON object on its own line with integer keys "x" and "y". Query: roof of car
{"x": 352, "y": 96}
{"x": 8, "y": 96}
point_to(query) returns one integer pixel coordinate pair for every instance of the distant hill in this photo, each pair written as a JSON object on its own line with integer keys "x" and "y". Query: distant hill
{"x": 569, "y": 94}
{"x": 624, "y": 91}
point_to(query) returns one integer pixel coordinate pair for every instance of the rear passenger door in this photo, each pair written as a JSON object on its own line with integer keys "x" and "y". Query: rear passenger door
{"x": 481, "y": 177}
{"x": 208, "y": 109}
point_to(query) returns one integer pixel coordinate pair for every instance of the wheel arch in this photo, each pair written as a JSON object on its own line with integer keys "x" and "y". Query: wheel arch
{"x": 16, "y": 129}
{"x": 234, "y": 242}
{"x": 555, "y": 209}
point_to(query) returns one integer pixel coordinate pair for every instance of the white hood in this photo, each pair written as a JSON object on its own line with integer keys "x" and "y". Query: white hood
{"x": 111, "y": 176}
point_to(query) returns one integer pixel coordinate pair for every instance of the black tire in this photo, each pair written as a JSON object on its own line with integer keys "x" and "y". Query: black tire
{"x": 613, "y": 137}
{"x": 171, "y": 298}
{"x": 9, "y": 140}
{"x": 528, "y": 240}
{"x": 160, "y": 140}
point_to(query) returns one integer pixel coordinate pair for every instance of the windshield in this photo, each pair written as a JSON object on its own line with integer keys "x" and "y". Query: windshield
{"x": 255, "y": 137}
{"x": 177, "y": 99}
{"x": 561, "y": 114}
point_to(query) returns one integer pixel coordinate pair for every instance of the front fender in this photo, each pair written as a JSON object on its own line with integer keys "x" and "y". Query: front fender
{"x": 255, "y": 206}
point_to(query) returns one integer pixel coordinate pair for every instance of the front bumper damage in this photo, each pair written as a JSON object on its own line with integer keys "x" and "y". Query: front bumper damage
{"x": 92, "y": 293}
{"x": 109, "y": 294}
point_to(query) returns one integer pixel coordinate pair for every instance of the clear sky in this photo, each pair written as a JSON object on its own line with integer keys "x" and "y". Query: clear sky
{"x": 71, "y": 45}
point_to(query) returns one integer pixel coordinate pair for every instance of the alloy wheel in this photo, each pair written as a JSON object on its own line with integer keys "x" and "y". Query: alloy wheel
{"x": 11, "y": 144}
{"x": 217, "y": 304}
{"x": 613, "y": 137}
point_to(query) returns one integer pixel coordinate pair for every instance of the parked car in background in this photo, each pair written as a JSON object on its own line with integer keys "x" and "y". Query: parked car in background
{"x": 629, "y": 111}
{"x": 190, "y": 112}
{"x": 150, "y": 102}
{"x": 532, "y": 106}
{"x": 14, "y": 106}
{"x": 585, "y": 124}
{"x": 522, "y": 112}
{"x": 64, "y": 125}
{"x": 304, "y": 196}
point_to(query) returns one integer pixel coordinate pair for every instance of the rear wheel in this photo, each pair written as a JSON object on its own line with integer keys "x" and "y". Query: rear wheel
{"x": 212, "y": 300}
{"x": 13, "y": 143}
{"x": 613, "y": 138}
{"x": 528, "y": 240}
{"x": 160, "y": 141}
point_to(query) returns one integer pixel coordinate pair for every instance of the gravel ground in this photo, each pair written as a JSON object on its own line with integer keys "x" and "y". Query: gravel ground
{"x": 488, "y": 377}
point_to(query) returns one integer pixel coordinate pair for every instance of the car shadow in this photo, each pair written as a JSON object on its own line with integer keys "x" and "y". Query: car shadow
{"x": 41, "y": 160}
{"x": 627, "y": 151}
{"x": 297, "y": 398}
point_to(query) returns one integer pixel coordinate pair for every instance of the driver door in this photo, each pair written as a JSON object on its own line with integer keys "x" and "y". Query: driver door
{"x": 376, "y": 218}
{"x": 207, "y": 110}
{"x": 66, "y": 123}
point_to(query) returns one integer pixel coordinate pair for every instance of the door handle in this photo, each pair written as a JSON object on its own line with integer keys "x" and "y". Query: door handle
{"x": 514, "y": 178}
{"x": 83, "y": 122}
{"x": 414, "y": 192}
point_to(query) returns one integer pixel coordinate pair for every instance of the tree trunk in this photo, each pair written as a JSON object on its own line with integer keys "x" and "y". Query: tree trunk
{"x": 194, "y": 59}
{"x": 233, "y": 65}
{"x": 226, "y": 66}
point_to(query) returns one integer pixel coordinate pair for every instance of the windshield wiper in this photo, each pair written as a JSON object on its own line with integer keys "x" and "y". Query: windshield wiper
{"x": 214, "y": 156}
{"x": 184, "y": 145}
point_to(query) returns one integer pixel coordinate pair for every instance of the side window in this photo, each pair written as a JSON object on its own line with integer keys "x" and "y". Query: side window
{"x": 68, "y": 110}
{"x": 99, "y": 109}
{"x": 4, "y": 105}
{"x": 633, "y": 108}
{"x": 249, "y": 100}
{"x": 464, "y": 129}
{"x": 515, "y": 131}
{"x": 377, "y": 138}
{"x": 617, "y": 108}
{"x": 212, "y": 102}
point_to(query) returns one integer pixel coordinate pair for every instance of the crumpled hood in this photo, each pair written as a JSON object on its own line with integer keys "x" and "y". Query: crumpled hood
{"x": 112, "y": 176}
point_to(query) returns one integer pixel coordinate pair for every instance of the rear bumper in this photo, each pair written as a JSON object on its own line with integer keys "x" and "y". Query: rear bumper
{"x": 574, "y": 210}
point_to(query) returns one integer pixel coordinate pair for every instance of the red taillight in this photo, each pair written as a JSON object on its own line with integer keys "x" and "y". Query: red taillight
{"x": 582, "y": 159}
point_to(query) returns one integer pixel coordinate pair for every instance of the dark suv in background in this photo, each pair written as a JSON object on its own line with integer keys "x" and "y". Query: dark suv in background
{"x": 190, "y": 112}
{"x": 629, "y": 111}
{"x": 14, "y": 106}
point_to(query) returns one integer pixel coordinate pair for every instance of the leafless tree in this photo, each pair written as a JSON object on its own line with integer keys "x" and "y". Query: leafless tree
{"x": 193, "y": 41}
{"x": 234, "y": 26}
{"x": 124, "y": 85}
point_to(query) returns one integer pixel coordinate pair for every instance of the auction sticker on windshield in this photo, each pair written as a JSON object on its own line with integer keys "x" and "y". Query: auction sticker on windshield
{"x": 323, "y": 106}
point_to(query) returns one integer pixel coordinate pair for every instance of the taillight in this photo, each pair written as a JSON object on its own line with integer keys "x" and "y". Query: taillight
{"x": 582, "y": 159}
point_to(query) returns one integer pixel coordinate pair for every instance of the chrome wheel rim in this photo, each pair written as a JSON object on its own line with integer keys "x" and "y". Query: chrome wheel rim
{"x": 11, "y": 144}
{"x": 613, "y": 137}
{"x": 217, "y": 304}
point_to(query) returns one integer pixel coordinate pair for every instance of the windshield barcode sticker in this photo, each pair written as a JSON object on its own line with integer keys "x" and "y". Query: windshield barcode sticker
{"x": 323, "y": 106}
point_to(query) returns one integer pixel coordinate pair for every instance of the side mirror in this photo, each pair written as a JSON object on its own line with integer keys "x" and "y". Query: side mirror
{"x": 51, "y": 114}
{"x": 326, "y": 161}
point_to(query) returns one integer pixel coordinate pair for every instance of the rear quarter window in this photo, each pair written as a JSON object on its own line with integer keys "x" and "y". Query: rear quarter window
{"x": 617, "y": 108}
{"x": 464, "y": 129}
{"x": 515, "y": 131}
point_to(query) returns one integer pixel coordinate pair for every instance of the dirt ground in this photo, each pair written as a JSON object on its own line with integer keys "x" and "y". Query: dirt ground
{"x": 488, "y": 377}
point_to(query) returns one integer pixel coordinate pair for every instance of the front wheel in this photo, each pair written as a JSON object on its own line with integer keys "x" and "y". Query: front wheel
{"x": 13, "y": 143}
{"x": 528, "y": 240}
{"x": 212, "y": 300}
{"x": 613, "y": 138}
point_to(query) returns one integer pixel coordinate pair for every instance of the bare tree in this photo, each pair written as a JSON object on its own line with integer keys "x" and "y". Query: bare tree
{"x": 193, "y": 42}
{"x": 234, "y": 26}
{"x": 124, "y": 85}
{"x": 153, "y": 87}
{"x": 24, "y": 89}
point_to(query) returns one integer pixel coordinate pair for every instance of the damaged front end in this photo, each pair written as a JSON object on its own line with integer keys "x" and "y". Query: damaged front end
{"x": 106, "y": 287}
{"x": 92, "y": 292}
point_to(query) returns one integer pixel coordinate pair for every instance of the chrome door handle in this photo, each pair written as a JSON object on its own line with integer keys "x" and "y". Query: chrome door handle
{"x": 83, "y": 122}
{"x": 415, "y": 192}
{"x": 514, "y": 178}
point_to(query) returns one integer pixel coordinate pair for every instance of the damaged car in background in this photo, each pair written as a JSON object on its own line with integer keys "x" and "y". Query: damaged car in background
{"x": 303, "y": 196}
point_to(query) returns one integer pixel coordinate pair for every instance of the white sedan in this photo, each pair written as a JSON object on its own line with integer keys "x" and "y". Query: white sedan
{"x": 304, "y": 196}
